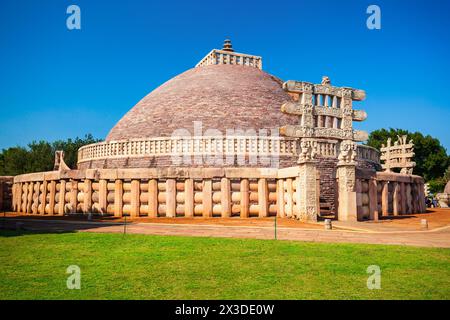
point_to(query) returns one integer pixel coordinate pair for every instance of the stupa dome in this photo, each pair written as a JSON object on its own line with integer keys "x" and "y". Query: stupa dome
{"x": 220, "y": 96}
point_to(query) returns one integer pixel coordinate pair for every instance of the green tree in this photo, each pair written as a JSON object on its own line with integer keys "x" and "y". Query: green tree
{"x": 39, "y": 155}
{"x": 13, "y": 161}
{"x": 430, "y": 156}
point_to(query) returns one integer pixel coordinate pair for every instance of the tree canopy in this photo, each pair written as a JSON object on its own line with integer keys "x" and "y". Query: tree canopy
{"x": 431, "y": 157}
{"x": 39, "y": 155}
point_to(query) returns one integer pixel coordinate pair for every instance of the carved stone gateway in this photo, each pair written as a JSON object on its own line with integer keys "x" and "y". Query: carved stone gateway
{"x": 326, "y": 113}
{"x": 398, "y": 155}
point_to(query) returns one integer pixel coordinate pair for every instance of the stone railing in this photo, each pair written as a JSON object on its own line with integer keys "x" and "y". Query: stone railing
{"x": 176, "y": 146}
{"x": 367, "y": 153}
{"x": 227, "y": 57}
{"x": 162, "y": 192}
{"x": 382, "y": 194}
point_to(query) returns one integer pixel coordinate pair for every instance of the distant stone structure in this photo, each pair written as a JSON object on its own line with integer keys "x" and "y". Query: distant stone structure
{"x": 309, "y": 163}
{"x": 398, "y": 155}
{"x": 444, "y": 197}
{"x": 59, "y": 161}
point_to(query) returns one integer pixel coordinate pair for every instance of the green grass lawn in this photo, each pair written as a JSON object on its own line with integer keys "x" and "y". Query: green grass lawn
{"x": 114, "y": 266}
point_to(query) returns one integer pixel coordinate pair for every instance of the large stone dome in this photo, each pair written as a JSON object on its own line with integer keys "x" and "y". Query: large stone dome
{"x": 221, "y": 96}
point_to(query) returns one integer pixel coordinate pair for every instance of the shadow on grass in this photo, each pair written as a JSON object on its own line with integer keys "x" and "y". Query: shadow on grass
{"x": 15, "y": 227}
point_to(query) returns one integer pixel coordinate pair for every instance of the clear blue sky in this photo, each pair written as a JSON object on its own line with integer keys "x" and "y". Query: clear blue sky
{"x": 56, "y": 83}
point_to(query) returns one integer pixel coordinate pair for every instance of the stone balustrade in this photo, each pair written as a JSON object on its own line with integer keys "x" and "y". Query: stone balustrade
{"x": 201, "y": 146}
{"x": 178, "y": 146}
{"x": 382, "y": 194}
{"x": 367, "y": 153}
{"x": 162, "y": 192}
{"x": 227, "y": 57}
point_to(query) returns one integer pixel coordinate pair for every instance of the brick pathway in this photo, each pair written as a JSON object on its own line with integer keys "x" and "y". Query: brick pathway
{"x": 439, "y": 237}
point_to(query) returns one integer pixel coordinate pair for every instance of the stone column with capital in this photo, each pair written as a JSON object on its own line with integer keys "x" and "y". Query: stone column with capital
{"x": 346, "y": 175}
{"x": 307, "y": 192}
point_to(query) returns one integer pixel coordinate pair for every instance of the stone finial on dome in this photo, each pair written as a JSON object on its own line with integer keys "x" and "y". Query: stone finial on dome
{"x": 227, "y": 46}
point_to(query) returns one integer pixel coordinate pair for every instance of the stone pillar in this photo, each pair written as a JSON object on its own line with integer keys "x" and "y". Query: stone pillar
{"x": 25, "y": 196}
{"x": 87, "y": 206}
{"x": 290, "y": 198}
{"x": 414, "y": 198}
{"x": 51, "y": 201}
{"x": 373, "y": 199}
{"x": 408, "y": 199}
{"x": 189, "y": 198}
{"x": 307, "y": 193}
{"x": 171, "y": 202}
{"x": 263, "y": 198}
{"x": 73, "y": 196}
{"x": 347, "y": 209}
{"x": 118, "y": 198}
{"x": 225, "y": 189}
{"x": 30, "y": 197}
{"x": 404, "y": 209}
{"x": 153, "y": 198}
{"x": 38, "y": 194}
{"x": 346, "y": 175}
{"x": 280, "y": 198}
{"x": 44, "y": 197}
{"x": 422, "y": 197}
{"x": 358, "y": 186}
{"x": 13, "y": 200}
{"x": 102, "y": 195}
{"x": 244, "y": 198}
{"x": 385, "y": 199}
{"x": 396, "y": 199}
{"x": 62, "y": 197}
{"x": 135, "y": 198}
{"x": 207, "y": 198}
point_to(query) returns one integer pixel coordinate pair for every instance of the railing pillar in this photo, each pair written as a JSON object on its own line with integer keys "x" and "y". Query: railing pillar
{"x": 396, "y": 199}
{"x": 87, "y": 205}
{"x": 385, "y": 199}
{"x": 102, "y": 195}
{"x": 73, "y": 196}
{"x": 62, "y": 197}
{"x": 244, "y": 198}
{"x": 135, "y": 201}
{"x": 118, "y": 198}
{"x": 373, "y": 199}
{"x": 280, "y": 198}
{"x": 153, "y": 198}
{"x": 171, "y": 203}
{"x": 44, "y": 197}
{"x": 225, "y": 189}
{"x": 263, "y": 198}
{"x": 207, "y": 198}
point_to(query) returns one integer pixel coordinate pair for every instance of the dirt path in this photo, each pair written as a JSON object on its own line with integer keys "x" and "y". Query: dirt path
{"x": 439, "y": 237}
